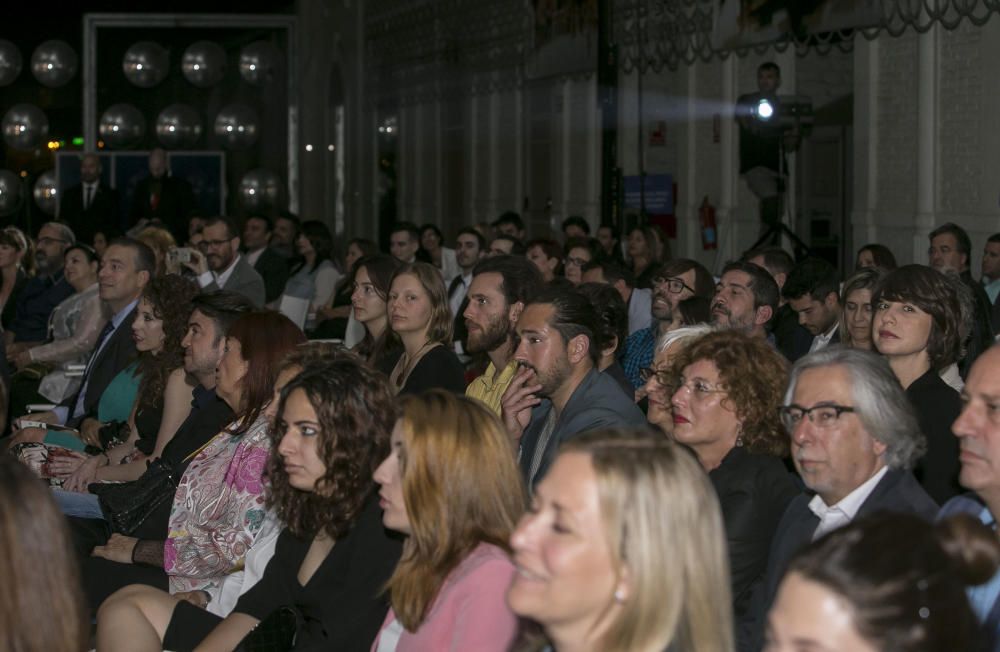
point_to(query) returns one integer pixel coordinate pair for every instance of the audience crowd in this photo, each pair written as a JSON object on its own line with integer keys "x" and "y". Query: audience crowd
{"x": 226, "y": 435}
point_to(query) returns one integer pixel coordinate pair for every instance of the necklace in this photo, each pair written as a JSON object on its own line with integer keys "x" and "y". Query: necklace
{"x": 409, "y": 363}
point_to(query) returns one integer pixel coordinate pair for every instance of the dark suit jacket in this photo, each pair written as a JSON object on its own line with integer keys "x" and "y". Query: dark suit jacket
{"x": 898, "y": 491}
{"x": 597, "y": 402}
{"x": 753, "y": 492}
{"x": 982, "y": 325}
{"x": 116, "y": 355}
{"x": 791, "y": 338}
{"x": 937, "y": 405}
{"x": 175, "y": 205}
{"x": 102, "y": 216}
{"x": 273, "y": 269}
{"x": 244, "y": 280}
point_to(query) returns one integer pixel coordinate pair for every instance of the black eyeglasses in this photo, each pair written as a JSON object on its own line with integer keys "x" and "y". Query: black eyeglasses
{"x": 674, "y": 285}
{"x": 663, "y": 377}
{"x": 821, "y": 416}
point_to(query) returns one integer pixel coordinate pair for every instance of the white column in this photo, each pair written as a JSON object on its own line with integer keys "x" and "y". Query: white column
{"x": 927, "y": 93}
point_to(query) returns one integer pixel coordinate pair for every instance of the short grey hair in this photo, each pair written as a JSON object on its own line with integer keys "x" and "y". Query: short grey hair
{"x": 878, "y": 398}
{"x": 64, "y": 231}
{"x": 683, "y": 333}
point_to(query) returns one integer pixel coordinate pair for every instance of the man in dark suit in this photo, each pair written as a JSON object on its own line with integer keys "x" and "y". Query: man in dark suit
{"x": 272, "y": 266}
{"x": 558, "y": 392}
{"x": 222, "y": 267}
{"x": 813, "y": 292}
{"x": 126, "y": 268}
{"x": 991, "y": 276}
{"x": 163, "y": 197}
{"x": 91, "y": 207}
{"x": 978, "y": 432}
{"x": 470, "y": 248}
{"x": 854, "y": 440}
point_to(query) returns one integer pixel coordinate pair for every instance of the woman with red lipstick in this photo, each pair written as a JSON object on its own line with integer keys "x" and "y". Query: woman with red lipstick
{"x": 917, "y": 327}
{"x": 451, "y": 485}
{"x": 623, "y": 550}
{"x": 725, "y": 409}
{"x": 372, "y": 279}
{"x": 659, "y": 378}
{"x": 419, "y": 315}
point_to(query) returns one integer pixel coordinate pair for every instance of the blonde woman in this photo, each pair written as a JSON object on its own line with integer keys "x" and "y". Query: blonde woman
{"x": 618, "y": 512}
{"x": 451, "y": 485}
{"x": 420, "y": 317}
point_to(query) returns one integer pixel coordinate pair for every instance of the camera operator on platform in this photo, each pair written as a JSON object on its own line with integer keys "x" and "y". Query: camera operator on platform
{"x": 762, "y": 162}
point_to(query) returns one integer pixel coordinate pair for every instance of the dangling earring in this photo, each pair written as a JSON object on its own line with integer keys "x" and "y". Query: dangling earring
{"x": 739, "y": 436}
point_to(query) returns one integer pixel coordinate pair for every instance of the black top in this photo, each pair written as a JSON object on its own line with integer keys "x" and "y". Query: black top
{"x": 937, "y": 405}
{"x": 10, "y": 307}
{"x": 439, "y": 368}
{"x": 35, "y": 302}
{"x": 343, "y": 604}
{"x": 147, "y": 423}
{"x": 753, "y": 490}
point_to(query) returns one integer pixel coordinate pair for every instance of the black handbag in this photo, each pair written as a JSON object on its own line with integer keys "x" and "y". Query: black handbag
{"x": 276, "y": 633}
{"x": 127, "y": 505}
{"x": 114, "y": 433}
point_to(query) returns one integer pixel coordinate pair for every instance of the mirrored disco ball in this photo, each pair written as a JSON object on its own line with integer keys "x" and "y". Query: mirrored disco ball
{"x": 46, "y": 193}
{"x": 53, "y": 63}
{"x": 11, "y": 190}
{"x": 260, "y": 189}
{"x": 145, "y": 64}
{"x": 122, "y": 126}
{"x": 24, "y": 126}
{"x": 236, "y": 126}
{"x": 204, "y": 63}
{"x": 178, "y": 125}
{"x": 10, "y": 62}
{"x": 257, "y": 63}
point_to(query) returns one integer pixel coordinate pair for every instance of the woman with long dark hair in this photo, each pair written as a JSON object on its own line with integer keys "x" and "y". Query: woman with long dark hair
{"x": 372, "y": 280}
{"x": 316, "y": 276}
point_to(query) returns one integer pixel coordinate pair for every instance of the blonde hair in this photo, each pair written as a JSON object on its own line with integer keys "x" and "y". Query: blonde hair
{"x": 160, "y": 241}
{"x": 664, "y": 527}
{"x": 461, "y": 488}
{"x": 440, "y": 325}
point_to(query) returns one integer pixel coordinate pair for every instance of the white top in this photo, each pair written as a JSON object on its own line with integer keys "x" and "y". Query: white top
{"x": 839, "y": 515}
{"x": 820, "y": 342}
{"x": 389, "y": 637}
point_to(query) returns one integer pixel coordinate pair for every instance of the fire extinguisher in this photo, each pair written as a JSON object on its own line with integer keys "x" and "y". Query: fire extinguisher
{"x": 706, "y": 218}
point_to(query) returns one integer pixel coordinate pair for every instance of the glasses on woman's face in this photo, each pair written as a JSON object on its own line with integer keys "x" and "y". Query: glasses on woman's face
{"x": 822, "y": 416}
{"x": 674, "y": 285}
{"x": 663, "y": 376}
{"x": 699, "y": 389}
{"x": 577, "y": 261}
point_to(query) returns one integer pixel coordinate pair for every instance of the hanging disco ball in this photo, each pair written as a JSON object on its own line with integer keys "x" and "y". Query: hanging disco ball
{"x": 11, "y": 190}
{"x": 258, "y": 62}
{"x": 178, "y": 125}
{"x": 122, "y": 126}
{"x": 53, "y": 63}
{"x": 24, "y": 126}
{"x": 46, "y": 193}
{"x": 260, "y": 190}
{"x": 10, "y": 62}
{"x": 145, "y": 64}
{"x": 236, "y": 126}
{"x": 204, "y": 63}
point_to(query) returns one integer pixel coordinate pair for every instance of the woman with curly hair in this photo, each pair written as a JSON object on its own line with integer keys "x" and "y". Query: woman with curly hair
{"x": 452, "y": 486}
{"x": 725, "y": 408}
{"x": 333, "y": 557}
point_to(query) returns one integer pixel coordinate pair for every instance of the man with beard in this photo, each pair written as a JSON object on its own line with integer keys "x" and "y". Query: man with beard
{"x": 500, "y": 288}
{"x": 558, "y": 393}
{"x": 813, "y": 292}
{"x": 470, "y": 247}
{"x": 745, "y": 299}
{"x": 221, "y": 267}
{"x": 950, "y": 252}
{"x": 675, "y": 281}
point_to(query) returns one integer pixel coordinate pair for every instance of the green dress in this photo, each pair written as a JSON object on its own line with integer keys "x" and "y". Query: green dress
{"x": 115, "y": 405}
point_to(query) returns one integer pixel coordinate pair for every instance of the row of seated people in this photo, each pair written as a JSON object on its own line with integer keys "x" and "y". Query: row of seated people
{"x": 360, "y": 521}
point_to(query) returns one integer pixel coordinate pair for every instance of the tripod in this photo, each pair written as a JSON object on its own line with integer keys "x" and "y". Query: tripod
{"x": 779, "y": 229}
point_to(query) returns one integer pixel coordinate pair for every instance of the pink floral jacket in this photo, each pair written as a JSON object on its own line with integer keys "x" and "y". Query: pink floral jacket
{"x": 218, "y": 509}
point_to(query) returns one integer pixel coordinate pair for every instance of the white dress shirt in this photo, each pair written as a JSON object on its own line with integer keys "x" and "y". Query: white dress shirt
{"x": 842, "y": 513}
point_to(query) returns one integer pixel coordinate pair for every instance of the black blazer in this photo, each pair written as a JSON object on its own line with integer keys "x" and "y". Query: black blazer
{"x": 937, "y": 405}
{"x": 897, "y": 491}
{"x": 273, "y": 268}
{"x": 175, "y": 206}
{"x": 102, "y": 216}
{"x": 116, "y": 355}
{"x": 753, "y": 491}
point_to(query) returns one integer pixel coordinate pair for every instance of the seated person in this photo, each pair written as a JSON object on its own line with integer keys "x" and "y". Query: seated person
{"x": 334, "y": 556}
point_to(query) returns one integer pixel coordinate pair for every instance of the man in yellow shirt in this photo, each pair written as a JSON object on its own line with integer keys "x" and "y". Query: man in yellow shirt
{"x": 500, "y": 288}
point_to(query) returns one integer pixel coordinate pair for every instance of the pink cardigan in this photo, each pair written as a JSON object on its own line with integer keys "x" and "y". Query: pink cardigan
{"x": 470, "y": 612}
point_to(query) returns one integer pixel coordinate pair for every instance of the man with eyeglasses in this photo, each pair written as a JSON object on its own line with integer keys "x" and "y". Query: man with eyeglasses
{"x": 854, "y": 440}
{"x": 42, "y": 293}
{"x": 978, "y": 432}
{"x": 676, "y": 280}
{"x": 218, "y": 263}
